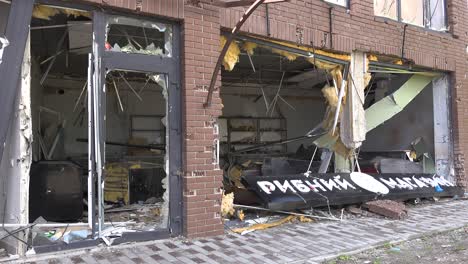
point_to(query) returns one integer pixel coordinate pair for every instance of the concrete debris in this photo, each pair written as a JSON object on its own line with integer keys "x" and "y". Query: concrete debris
{"x": 388, "y": 208}
{"x": 354, "y": 210}
{"x": 142, "y": 216}
{"x": 152, "y": 200}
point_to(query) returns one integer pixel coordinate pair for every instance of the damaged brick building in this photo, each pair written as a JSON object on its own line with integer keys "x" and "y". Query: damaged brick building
{"x": 151, "y": 120}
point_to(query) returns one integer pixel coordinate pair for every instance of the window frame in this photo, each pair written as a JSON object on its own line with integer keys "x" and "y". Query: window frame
{"x": 426, "y": 10}
{"x": 347, "y": 3}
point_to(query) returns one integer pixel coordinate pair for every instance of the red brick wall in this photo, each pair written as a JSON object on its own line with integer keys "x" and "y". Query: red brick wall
{"x": 357, "y": 29}
{"x": 203, "y": 180}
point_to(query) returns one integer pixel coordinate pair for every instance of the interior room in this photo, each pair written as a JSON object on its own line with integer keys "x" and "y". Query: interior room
{"x": 271, "y": 103}
{"x": 277, "y": 108}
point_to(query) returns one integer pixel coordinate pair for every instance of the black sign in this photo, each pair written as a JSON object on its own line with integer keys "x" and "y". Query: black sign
{"x": 299, "y": 191}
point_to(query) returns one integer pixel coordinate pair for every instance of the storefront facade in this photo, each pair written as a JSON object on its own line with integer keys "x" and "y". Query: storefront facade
{"x": 195, "y": 178}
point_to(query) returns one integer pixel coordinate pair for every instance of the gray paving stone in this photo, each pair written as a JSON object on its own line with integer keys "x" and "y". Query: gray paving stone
{"x": 290, "y": 243}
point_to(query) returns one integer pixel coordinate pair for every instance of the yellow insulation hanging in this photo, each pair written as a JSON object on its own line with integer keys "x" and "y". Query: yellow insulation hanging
{"x": 46, "y": 12}
{"x": 290, "y": 56}
{"x": 76, "y": 13}
{"x": 232, "y": 55}
{"x": 249, "y": 47}
{"x": 264, "y": 226}
{"x": 227, "y": 205}
{"x": 372, "y": 57}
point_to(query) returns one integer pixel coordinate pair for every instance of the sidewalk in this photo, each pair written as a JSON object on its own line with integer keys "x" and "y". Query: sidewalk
{"x": 290, "y": 243}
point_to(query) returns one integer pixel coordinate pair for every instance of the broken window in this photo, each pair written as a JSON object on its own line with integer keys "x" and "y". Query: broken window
{"x": 386, "y": 8}
{"x": 412, "y": 12}
{"x": 424, "y": 13}
{"x": 436, "y": 17}
{"x": 338, "y": 2}
{"x": 137, "y": 36}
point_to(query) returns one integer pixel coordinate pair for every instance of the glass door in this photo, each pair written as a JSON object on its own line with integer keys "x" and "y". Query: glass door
{"x": 136, "y": 127}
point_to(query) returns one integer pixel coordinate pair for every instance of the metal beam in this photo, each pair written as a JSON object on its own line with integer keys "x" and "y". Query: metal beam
{"x": 17, "y": 32}
{"x": 300, "y": 52}
{"x": 236, "y": 3}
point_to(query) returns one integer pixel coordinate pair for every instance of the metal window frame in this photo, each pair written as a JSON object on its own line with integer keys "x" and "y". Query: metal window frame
{"x": 170, "y": 66}
{"x": 16, "y": 32}
{"x": 426, "y": 7}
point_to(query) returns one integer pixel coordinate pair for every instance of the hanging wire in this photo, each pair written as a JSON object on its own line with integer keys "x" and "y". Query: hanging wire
{"x": 307, "y": 173}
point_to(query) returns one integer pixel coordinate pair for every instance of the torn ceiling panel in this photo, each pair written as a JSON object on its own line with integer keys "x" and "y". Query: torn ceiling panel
{"x": 391, "y": 105}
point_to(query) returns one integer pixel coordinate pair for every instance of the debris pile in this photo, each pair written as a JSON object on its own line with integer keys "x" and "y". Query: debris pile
{"x": 387, "y": 208}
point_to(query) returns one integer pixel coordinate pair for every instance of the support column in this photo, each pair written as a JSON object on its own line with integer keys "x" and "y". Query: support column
{"x": 202, "y": 176}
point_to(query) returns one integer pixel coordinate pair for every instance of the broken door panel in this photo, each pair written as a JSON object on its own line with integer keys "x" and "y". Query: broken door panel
{"x": 136, "y": 160}
{"x": 291, "y": 192}
{"x": 16, "y": 33}
{"x": 125, "y": 68}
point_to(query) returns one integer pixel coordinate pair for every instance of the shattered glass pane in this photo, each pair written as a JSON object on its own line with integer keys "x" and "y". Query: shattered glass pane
{"x": 386, "y": 8}
{"x": 412, "y": 12}
{"x": 137, "y": 149}
{"x": 436, "y": 17}
{"x": 130, "y": 35}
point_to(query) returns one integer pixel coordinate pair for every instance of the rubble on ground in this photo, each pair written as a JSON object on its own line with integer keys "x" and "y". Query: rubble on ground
{"x": 388, "y": 208}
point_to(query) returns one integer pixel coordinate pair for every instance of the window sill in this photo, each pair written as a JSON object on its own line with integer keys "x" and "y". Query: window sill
{"x": 389, "y": 21}
{"x": 337, "y": 5}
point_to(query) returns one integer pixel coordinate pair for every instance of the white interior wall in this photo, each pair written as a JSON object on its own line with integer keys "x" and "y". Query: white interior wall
{"x": 309, "y": 111}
